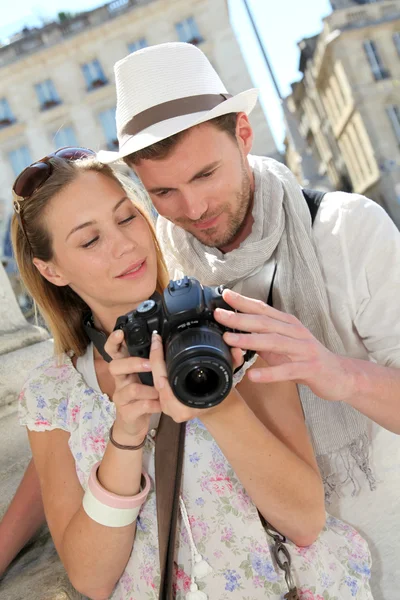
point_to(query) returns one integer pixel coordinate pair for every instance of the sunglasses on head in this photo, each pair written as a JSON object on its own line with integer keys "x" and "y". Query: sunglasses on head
{"x": 34, "y": 176}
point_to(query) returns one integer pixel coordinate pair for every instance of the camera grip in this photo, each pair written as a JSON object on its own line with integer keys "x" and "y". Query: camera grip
{"x": 146, "y": 378}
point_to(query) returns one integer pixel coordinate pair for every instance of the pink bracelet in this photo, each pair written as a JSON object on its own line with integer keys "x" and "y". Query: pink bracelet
{"x": 114, "y": 500}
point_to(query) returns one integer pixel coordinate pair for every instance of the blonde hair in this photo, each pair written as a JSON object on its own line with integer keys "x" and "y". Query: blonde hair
{"x": 61, "y": 307}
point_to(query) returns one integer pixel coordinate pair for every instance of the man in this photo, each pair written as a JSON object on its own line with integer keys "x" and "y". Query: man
{"x": 232, "y": 218}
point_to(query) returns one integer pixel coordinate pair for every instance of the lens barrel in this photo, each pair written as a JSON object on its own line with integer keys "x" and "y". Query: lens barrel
{"x": 199, "y": 366}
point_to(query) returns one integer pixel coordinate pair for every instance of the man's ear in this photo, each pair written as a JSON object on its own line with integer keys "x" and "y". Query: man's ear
{"x": 50, "y": 272}
{"x": 244, "y": 132}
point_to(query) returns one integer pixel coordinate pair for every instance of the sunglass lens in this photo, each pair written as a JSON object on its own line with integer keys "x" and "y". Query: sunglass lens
{"x": 31, "y": 179}
{"x": 74, "y": 153}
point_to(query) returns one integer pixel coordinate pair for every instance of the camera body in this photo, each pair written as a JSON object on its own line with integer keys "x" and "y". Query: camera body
{"x": 199, "y": 363}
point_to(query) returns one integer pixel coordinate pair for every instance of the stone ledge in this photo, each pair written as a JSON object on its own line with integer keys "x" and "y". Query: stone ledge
{"x": 26, "y": 336}
{"x": 14, "y": 369}
{"x": 36, "y": 573}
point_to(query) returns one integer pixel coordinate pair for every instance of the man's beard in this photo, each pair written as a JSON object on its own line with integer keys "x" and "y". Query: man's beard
{"x": 236, "y": 218}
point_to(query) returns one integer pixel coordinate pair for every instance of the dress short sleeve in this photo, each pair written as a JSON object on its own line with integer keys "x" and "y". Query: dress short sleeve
{"x": 43, "y": 401}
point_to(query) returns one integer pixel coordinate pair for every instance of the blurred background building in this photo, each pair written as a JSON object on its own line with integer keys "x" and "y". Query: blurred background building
{"x": 347, "y": 103}
{"x": 342, "y": 118}
{"x": 57, "y": 84}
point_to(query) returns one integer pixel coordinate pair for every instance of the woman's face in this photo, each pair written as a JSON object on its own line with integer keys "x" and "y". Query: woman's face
{"x": 103, "y": 247}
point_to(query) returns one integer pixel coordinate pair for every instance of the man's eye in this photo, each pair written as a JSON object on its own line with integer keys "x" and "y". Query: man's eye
{"x": 88, "y": 244}
{"x": 205, "y": 175}
{"x": 163, "y": 193}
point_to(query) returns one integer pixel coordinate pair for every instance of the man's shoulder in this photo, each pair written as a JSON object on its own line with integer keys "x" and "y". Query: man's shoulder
{"x": 342, "y": 210}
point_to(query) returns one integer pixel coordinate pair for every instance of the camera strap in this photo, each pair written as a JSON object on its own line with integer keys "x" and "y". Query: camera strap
{"x": 169, "y": 449}
{"x": 98, "y": 338}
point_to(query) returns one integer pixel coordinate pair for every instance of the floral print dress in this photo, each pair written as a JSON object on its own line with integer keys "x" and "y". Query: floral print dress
{"x": 223, "y": 520}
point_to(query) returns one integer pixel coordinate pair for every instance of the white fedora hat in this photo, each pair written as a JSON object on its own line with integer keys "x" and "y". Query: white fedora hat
{"x": 165, "y": 89}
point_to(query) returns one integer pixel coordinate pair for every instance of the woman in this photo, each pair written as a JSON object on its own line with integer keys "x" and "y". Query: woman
{"x": 93, "y": 248}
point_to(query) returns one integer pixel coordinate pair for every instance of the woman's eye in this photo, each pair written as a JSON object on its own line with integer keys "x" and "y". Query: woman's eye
{"x": 88, "y": 244}
{"x": 163, "y": 193}
{"x": 205, "y": 175}
{"x": 127, "y": 219}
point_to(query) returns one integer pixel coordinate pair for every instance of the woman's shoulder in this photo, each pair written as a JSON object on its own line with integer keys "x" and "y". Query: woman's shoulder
{"x": 44, "y": 398}
{"x": 54, "y": 369}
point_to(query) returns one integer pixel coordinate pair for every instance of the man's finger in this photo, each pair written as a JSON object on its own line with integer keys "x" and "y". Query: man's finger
{"x": 257, "y": 323}
{"x": 254, "y": 307}
{"x": 115, "y": 346}
{"x": 296, "y": 372}
{"x": 269, "y": 342}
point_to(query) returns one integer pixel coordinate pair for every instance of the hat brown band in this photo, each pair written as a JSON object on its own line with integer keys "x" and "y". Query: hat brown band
{"x": 169, "y": 110}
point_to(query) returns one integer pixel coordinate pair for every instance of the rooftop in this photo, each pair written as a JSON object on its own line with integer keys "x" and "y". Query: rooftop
{"x": 30, "y": 40}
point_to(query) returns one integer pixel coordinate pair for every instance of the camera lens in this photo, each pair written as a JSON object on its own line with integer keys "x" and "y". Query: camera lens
{"x": 199, "y": 366}
{"x": 201, "y": 381}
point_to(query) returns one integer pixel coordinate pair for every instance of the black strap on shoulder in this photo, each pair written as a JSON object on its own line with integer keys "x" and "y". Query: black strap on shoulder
{"x": 98, "y": 338}
{"x": 313, "y": 199}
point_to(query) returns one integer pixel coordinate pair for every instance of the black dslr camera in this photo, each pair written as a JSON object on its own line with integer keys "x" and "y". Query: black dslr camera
{"x": 199, "y": 363}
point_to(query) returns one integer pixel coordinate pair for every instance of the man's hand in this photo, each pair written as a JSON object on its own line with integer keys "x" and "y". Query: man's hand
{"x": 287, "y": 346}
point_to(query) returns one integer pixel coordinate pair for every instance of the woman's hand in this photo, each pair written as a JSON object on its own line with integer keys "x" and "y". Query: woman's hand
{"x": 170, "y": 405}
{"x": 134, "y": 402}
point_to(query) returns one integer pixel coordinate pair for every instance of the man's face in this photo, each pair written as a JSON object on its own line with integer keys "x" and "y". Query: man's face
{"x": 204, "y": 185}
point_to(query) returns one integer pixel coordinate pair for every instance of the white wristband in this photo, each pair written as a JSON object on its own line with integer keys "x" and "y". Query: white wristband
{"x": 108, "y": 515}
{"x": 110, "y": 509}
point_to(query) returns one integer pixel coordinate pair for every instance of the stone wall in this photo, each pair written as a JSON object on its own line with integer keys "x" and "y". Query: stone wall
{"x": 37, "y": 573}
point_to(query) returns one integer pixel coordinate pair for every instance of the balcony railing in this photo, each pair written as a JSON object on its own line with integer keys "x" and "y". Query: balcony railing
{"x": 347, "y": 18}
{"x": 97, "y": 83}
{"x": 48, "y": 104}
{"x": 6, "y": 122}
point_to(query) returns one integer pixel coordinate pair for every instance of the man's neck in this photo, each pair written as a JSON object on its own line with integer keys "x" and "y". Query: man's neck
{"x": 247, "y": 225}
{"x": 244, "y": 230}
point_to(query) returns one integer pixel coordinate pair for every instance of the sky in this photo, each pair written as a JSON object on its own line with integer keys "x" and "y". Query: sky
{"x": 280, "y": 23}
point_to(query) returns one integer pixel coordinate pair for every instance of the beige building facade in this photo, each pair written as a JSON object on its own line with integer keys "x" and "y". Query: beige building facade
{"x": 57, "y": 87}
{"x": 348, "y": 101}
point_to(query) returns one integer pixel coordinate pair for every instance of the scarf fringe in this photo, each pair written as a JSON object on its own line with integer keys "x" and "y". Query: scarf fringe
{"x": 354, "y": 455}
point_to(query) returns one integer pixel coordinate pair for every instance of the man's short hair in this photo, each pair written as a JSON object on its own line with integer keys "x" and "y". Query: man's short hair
{"x": 161, "y": 149}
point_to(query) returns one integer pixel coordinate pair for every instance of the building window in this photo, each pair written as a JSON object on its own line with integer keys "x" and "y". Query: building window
{"x": 396, "y": 41}
{"x": 94, "y": 75}
{"x": 137, "y": 45}
{"x": 375, "y": 61}
{"x": 393, "y": 113}
{"x": 107, "y": 120}
{"x": 65, "y": 137}
{"x": 6, "y": 115}
{"x": 19, "y": 159}
{"x": 188, "y": 31}
{"x": 47, "y": 94}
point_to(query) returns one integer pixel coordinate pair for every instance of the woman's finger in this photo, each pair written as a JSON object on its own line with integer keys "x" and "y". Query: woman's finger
{"x": 134, "y": 392}
{"x": 237, "y": 357}
{"x": 131, "y": 412}
{"x": 128, "y": 366}
{"x": 157, "y": 362}
{"x": 115, "y": 346}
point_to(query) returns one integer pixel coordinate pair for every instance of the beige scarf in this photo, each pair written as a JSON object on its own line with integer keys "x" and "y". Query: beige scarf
{"x": 282, "y": 229}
